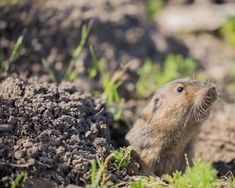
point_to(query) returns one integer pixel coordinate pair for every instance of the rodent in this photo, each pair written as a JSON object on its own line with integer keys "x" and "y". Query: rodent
{"x": 165, "y": 132}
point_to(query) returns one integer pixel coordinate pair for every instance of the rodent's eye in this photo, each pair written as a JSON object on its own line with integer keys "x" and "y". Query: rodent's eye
{"x": 180, "y": 89}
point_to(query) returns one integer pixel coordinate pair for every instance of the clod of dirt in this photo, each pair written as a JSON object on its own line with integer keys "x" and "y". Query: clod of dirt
{"x": 50, "y": 131}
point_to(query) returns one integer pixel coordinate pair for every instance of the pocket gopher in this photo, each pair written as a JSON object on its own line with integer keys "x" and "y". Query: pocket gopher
{"x": 165, "y": 131}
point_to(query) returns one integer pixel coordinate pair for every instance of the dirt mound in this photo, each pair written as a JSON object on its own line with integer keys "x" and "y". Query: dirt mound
{"x": 50, "y": 131}
{"x": 216, "y": 139}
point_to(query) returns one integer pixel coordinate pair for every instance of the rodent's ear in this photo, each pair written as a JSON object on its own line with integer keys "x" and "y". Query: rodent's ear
{"x": 155, "y": 103}
{"x": 150, "y": 109}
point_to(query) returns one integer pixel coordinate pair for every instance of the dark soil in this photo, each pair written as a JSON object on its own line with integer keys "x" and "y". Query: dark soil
{"x": 50, "y": 131}
{"x": 56, "y": 131}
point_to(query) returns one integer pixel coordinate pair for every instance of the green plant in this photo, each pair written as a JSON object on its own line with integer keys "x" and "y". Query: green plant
{"x": 147, "y": 79}
{"x": 97, "y": 175}
{"x": 175, "y": 66}
{"x": 227, "y": 31}
{"x": 10, "y": 2}
{"x": 110, "y": 84}
{"x": 17, "y": 49}
{"x": 148, "y": 182}
{"x": 19, "y": 180}
{"x": 117, "y": 159}
{"x": 231, "y": 73}
{"x": 99, "y": 178}
{"x": 49, "y": 70}
{"x": 15, "y": 54}
{"x": 97, "y": 65}
{"x": 70, "y": 73}
{"x": 121, "y": 158}
{"x": 111, "y": 96}
{"x": 201, "y": 175}
{"x": 230, "y": 181}
{"x": 230, "y": 85}
{"x": 153, "y": 8}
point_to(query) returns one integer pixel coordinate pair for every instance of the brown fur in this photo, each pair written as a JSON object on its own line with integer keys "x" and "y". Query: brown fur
{"x": 166, "y": 130}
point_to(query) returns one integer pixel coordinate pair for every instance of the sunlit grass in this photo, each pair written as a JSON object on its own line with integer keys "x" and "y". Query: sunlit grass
{"x": 6, "y": 62}
{"x": 151, "y": 77}
{"x": 19, "y": 180}
{"x": 227, "y": 31}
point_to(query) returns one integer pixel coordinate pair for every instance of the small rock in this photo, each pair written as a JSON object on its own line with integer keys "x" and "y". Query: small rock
{"x": 32, "y": 151}
{"x": 19, "y": 154}
{"x": 73, "y": 186}
{"x": 60, "y": 150}
{"x": 31, "y": 161}
{"x": 6, "y": 127}
{"x": 88, "y": 133}
{"x": 28, "y": 144}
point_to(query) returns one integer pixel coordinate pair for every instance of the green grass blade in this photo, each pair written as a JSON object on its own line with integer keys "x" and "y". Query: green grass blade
{"x": 17, "y": 49}
{"x": 21, "y": 178}
{"x": 49, "y": 70}
{"x": 77, "y": 52}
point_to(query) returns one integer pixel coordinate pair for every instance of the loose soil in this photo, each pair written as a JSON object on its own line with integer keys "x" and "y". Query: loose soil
{"x": 49, "y": 131}
{"x": 55, "y": 131}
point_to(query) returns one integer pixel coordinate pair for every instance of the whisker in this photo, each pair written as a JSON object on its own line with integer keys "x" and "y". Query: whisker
{"x": 196, "y": 116}
{"x": 203, "y": 111}
{"x": 187, "y": 118}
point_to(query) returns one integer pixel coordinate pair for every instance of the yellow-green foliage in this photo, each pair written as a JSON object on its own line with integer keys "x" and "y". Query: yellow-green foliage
{"x": 10, "y": 2}
{"x": 118, "y": 160}
{"x": 110, "y": 86}
{"x": 20, "y": 179}
{"x": 231, "y": 79}
{"x": 202, "y": 175}
{"x": 175, "y": 66}
{"x": 97, "y": 174}
{"x": 112, "y": 97}
{"x": 121, "y": 158}
{"x": 231, "y": 73}
{"x": 153, "y": 8}
{"x": 49, "y": 70}
{"x": 15, "y": 54}
{"x": 148, "y": 182}
{"x": 147, "y": 79}
{"x": 70, "y": 73}
{"x": 228, "y": 31}
{"x": 97, "y": 66}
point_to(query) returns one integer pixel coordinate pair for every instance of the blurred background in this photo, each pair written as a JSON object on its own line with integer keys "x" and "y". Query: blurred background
{"x": 161, "y": 40}
{"x": 123, "y": 50}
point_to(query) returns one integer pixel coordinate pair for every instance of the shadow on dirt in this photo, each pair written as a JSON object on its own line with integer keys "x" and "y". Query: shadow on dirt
{"x": 225, "y": 168}
{"x": 53, "y": 34}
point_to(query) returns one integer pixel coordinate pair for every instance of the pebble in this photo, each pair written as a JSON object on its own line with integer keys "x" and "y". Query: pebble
{"x": 28, "y": 144}
{"x": 6, "y": 127}
{"x": 19, "y": 154}
{"x": 60, "y": 150}
{"x": 31, "y": 161}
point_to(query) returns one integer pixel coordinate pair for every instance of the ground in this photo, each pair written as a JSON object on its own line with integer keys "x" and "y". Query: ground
{"x": 50, "y": 131}
{"x": 37, "y": 116}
